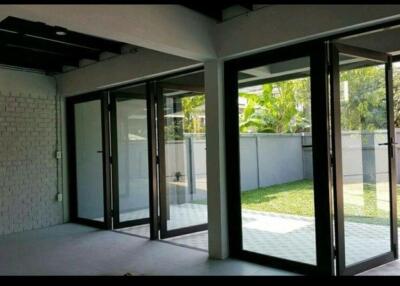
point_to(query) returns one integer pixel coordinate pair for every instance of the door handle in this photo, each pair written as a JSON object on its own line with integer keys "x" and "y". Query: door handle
{"x": 391, "y": 147}
{"x": 387, "y": 143}
{"x": 99, "y": 151}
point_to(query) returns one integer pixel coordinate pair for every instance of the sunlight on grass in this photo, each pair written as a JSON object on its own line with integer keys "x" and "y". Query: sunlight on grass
{"x": 291, "y": 198}
{"x": 296, "y": 198}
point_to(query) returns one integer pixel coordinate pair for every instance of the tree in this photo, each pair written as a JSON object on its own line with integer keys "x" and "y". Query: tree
{"x": 365, "y": 107}
{"x": 192, "y": 110}
{"x": 396, "y": 95}
{"x": 282, "y": 107}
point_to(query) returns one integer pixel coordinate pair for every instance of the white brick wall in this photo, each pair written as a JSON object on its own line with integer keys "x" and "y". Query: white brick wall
{"x": 28, "y": 168}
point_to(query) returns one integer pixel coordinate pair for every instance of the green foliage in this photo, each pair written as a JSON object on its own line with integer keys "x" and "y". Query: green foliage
{"x": 192, "y": 111}
{"x": 396, "y": 95}
{"x": 191, "y": 122}
{"x": 283, "y": 107}
{"x": 365, "y": 108}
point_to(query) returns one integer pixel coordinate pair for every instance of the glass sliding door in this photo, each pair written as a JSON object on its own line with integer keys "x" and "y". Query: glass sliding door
{"x": 131, "y": 184}
{"x": 364, "y": 158}
{"x": 277, "y": 159}
{"x": 88, "y": 151}
{"x": 182, "y": 145}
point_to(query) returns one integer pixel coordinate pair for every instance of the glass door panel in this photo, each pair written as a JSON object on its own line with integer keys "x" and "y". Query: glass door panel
{"x": 364, "y": 151}
{"x": 131, "y": 156}
{"x": 89, "y": 160}
{"x": 182, "y": 145}
{"x": 88, "y": 155}
{"x": 276, "y": 161}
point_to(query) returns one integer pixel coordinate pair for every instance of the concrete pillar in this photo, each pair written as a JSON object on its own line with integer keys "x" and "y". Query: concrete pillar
{"x": 215, "y": 136}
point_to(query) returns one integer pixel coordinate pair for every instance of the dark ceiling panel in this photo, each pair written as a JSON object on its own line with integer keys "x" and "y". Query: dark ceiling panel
{"x": 44, "y": 31}
{"x": 36, "y": 55}
{"x": 36, "y": 45}
{"x": 13, "y": 39}
{"x": 15, "y": 58}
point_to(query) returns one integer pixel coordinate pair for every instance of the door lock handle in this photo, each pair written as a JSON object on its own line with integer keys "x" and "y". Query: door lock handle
{"x": 99, "y": 151}
{"x": 387, "y": 143}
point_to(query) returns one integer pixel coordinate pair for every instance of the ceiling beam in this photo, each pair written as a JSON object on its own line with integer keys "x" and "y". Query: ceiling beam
{"x": 247, "y": 6}
{"x": 183, "y": 87}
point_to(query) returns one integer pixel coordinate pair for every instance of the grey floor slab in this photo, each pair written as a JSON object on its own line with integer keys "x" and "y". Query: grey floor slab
{"x": 71, "y": 249}
{"x": 388, "y": 269}
{"x": 285, "y": 236}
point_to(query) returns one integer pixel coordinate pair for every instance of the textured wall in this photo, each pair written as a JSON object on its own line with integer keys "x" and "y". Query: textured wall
{"x": 28, "y": 168}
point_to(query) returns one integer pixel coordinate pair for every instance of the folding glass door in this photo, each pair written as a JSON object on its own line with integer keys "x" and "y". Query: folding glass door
{"x": 130, "y": 156}
{"x": 88, "y": 159}
{"x": 130, "y": 145}
{"x": 277, "y": 146}
{"x": 182, "y": 154}
{"x": 364, "y": 160}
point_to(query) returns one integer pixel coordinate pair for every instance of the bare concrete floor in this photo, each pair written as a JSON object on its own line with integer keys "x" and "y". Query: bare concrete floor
{"x": 72, "y": 249}
{"x": 389, "y": 269}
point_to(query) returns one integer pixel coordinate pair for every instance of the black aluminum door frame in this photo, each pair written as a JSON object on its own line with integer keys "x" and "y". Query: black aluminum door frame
{"x": 108, "y": 144}
{"x": 70, "y": 104}
{"x": 163, "y": 197}
{"x": 148, "y": 96}
{"x": 335, "y": 50}
{"x": 317, "y": 52}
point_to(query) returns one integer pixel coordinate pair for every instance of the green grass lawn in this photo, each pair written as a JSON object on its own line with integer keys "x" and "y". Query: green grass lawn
{"x": 296, "y": 198}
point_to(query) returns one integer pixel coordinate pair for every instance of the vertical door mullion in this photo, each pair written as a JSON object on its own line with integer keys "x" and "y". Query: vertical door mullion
{"x": 161, "y": 161}
{"x": 392, "y": 155}
{"x": 152, "y": 157}
{"x": 232, "y": 155}
{"x": 321, "y": 159}
{"x": 114, "y": 163}
{"x": 73, "y": 192}
{"x": 106, "y": 159}
{"x": 337, "y": 159}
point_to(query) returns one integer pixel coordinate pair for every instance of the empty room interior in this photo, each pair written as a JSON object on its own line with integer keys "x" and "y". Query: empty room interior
{"x": 178, "y": 139}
